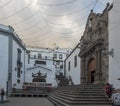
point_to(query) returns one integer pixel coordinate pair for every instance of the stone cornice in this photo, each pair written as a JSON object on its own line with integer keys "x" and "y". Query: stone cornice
{"x": 91, "y": 46}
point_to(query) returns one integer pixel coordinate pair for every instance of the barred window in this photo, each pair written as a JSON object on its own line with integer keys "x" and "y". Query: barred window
{"x": 60, "y": 56}
{"x": 69, "y": 65}
{"x": 75, "y": 61}
{"x": 18, "y": 72}
{"x": 55, "y": 55}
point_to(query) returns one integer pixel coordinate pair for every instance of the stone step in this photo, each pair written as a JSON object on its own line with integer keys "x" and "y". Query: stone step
{"x": 88, "y": 91}
{"x": 60, "y": 103}
{"x": 79, "y": 99}
{"x": 77, "y": 90}
{"x": 81, "y": 93}
{"x": 57, "y": 102}
{"x": 81, "y": 90}
{"x": 84, "y": 93}
{"x": 80, "y": 86}
{"x": 82, "y": 96}
{"x": 79, "y": 102}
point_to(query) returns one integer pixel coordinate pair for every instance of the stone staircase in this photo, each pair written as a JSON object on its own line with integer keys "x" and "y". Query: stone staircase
{"x": 80, "y": 95}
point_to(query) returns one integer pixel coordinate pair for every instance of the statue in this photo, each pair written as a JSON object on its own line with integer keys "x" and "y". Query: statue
{"x": 39, "y": 77}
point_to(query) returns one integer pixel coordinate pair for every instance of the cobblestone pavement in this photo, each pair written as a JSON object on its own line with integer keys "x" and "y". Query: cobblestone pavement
{"x": 20, "y": 101}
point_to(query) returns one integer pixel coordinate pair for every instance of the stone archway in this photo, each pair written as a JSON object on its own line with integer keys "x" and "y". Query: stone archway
{"x": 91, "y": 70}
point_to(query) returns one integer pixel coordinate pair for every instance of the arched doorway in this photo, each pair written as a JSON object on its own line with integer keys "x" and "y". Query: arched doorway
{"x": 91, "y": 70}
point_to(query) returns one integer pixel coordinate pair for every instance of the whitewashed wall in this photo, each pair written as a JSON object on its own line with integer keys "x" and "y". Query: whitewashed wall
{"x": 49, "y": 56}
{"x": 49, "y": 65}
{"x": 3, "y": 62}
{"x": 74, "y": 71}
{"x": 9, "y": 43}
{"x": 114, "y": 43}
{"x": 14, "y": 72}
{"x": 43, "y": 52}
{"x": 50, "y": 74}
{"x": 64, "y": 54}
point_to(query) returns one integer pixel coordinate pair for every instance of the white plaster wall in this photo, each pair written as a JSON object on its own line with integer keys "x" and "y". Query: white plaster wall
{"x": 114, "y": 43}
{"x": 49, "y": 53}
{"x": 3, "y": 61}
{"x": 63, "y": 58}
{"x": 14, "y": 72}
{"x": 74, "y": 71}
{"x": 49, "y": 56}
{"x": 64, "y": 52}
{"x": 50, "y": 74}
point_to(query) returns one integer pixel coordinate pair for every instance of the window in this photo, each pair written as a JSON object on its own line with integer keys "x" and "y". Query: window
{"x": 60, "y": 56}
{"x": 39, "y": 56}
{"x": 75, "y": 61}
{"x": 19, "y": 63}
{"x": 34, "y": 56}
{"x": 18, "y": 72}
{"x": 19, "y": 55}
{"x": 61, "y": 66}
{"x": 69, "y": 65}
{"x": 57, "y": 63}
{"x": 18, "y": 81}
{"x": 40, "y": 62}
{"x": 28, "y": 58}
{"x": 55, "y": 56}
{"x": 45, "y": 57}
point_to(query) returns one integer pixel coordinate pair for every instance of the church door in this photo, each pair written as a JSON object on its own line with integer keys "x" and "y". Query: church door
{"x": 91, "y": 70}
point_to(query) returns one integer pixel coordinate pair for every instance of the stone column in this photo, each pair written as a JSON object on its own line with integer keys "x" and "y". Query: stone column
{"x": 98, "y": 74}
{"x": 85, "y": 70}
{"x": 83, "y": 77}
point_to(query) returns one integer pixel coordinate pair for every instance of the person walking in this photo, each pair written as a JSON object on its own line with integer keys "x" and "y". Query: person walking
{"x": 108, "y": 90}
{"x": 2, "y": 95}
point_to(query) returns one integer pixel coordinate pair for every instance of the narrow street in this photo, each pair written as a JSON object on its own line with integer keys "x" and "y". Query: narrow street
{"x": 27, "y": 102}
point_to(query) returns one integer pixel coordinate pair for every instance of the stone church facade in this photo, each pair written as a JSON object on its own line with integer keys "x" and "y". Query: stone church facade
{"x": 93, "y": 48}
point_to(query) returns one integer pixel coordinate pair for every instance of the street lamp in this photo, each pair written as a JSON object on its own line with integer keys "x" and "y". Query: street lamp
{"x": 111, "y": 52}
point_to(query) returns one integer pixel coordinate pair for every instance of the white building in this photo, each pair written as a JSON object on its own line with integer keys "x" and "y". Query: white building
{"x": 47, "y": 61}
{"x": 59, "y": 55}
{"x": 72, "y": 66}
{"x": 12, "y": 59}
{"x": 40, "y": 59}
{"x": 114, "y": 47}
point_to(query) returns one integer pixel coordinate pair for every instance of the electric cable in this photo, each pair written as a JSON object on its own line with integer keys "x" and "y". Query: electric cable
{"x": 95, "y": 4}
{"x": 35, "y": 31}
{"x": 70, "y": 13}
{"x": 15, "y": 12}
{"x": 58, "y": 4}
{"x": 26, "y": 18}
{"x": 6, "y": 4}
{"x": 82, "y": 18}
{"x": 29, "y": 27}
